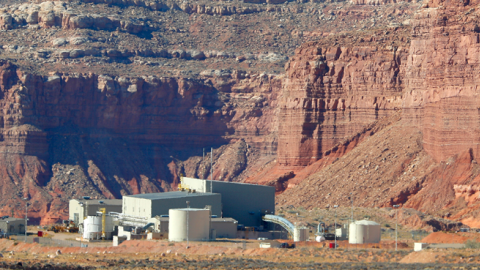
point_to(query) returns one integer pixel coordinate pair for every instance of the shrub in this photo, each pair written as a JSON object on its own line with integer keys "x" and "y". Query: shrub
{"x": 472, "y": 244}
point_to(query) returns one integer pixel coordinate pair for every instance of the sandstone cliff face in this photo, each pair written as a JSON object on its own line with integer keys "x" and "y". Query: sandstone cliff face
{"x": 436, "y": 89}
{"x": 440, "y": 79}
{"x": 390, "y": 117}
{"x": 67, "y": 136}
{"x": 332, "y": 93}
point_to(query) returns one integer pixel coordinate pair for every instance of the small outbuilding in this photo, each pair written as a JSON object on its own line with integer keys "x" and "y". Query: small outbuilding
{"x": 11, "y": 225}
{"x": 80, "y": 209}
{"x": 363, "y": 232}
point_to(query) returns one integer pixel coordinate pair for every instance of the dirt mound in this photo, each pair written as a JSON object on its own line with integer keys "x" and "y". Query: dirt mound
{"x": 444, "y": 238}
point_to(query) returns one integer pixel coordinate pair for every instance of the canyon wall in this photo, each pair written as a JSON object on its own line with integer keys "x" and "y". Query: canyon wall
{"x": 436, "y": 167}
{"x": 331, "y": 94}
{"x": 69, "y": 135}
{"x": 382, "y": 114}
{"x": 441, "y": 81}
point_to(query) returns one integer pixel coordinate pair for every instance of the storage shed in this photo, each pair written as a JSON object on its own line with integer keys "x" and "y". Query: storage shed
{"x": 79, "y": 209}
{"x": 11, "y": 225}
{"x": 364, "y": 231}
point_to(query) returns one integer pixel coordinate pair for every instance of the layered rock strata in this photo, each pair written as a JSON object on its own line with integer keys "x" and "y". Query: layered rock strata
{"x": 436, "y": 167}
{"x": 331, "y": 94}
{"x": 111, "y": 136}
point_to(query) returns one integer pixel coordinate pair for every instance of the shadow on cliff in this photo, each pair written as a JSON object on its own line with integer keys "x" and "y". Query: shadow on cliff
{"x": 114, "y": 164}
{"x": 124, "y": 166}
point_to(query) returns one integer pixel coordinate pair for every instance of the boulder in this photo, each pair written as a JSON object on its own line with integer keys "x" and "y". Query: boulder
{"x": 76, "y": 53}
{"x": 59, "y": 42}
{"x": 197, "y": 55}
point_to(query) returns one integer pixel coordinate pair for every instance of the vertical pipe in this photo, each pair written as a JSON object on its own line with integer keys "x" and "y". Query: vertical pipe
{"x": 188, "y": 214}
{"x": 211, "y": 169}
{"x": 396, "y": 230}
{"x": 335, "y": 228}
{"x": 26, "y": 217}
{"x": 351, "y": 197}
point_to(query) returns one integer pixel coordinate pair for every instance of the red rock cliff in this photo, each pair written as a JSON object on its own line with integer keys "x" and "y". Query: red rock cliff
{"x": 332, "y": 93}
{"x": 69, "y": 135}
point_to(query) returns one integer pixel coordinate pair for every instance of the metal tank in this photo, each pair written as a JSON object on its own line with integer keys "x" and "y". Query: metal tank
{"x": 300, "y": 234}
{"x": 92, "y": 227}
{"x": 192, "y": 221}
{"x": 364, "y": 231}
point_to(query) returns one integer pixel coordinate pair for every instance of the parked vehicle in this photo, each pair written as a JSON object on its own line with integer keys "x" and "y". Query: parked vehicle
{"x": 286, "y": 245}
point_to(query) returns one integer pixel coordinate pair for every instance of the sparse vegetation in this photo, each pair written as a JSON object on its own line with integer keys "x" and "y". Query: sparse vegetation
{"x": 472, "y": 244}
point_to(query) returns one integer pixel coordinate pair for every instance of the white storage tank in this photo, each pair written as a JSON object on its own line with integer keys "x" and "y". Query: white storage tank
{"x": 198, "y": 224}
{"x": 300, "y": 234}
{"x": 92, "y": 227}
{"x": 364, "y": 231}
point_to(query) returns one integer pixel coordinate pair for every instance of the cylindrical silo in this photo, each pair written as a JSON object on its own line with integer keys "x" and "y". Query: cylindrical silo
{"x": 364, "y": 231}
{"x": 198, "y": 227}
{"x": 300, "y": 234}
{"x": 109, "y": 227}
{"x": 92, "y": 227}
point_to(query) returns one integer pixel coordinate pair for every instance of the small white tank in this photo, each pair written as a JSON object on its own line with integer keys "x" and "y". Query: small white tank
{"x": 364, "y": 231}
{"x": 300, "y": 234}
{"x": 198, "y": 224}
{"x": 92, "y": 227}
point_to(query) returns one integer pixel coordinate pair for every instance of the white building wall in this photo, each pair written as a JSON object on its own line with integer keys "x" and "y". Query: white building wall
{"x": 198, "y": 185}
{"x": 137, "y": 207}
{"x": 74, "y": 207}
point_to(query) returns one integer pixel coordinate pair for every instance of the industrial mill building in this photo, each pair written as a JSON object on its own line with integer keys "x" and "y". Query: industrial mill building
{"x": 245, "y": 203}
{"x": 157, "y": 204}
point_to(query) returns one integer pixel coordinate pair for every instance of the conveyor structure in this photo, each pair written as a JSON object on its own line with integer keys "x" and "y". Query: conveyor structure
{"x": 282, "y": 222}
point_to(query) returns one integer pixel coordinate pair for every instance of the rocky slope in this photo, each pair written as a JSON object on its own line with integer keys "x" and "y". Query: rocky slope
{"x": 369, "y": 99}
{"x": 434, "y": 143}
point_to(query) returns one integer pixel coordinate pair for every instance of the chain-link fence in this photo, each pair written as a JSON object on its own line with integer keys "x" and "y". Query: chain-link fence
{"x": 57, "y": 242}
{"x": 45, "y": 241}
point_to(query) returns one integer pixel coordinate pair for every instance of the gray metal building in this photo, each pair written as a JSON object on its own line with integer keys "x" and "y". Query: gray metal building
{"x": 12, "y": 225}
{"x": 77, "y": 209}
{"x": 224, "y": 227}
{"x": 156, "y": 204}
{"x": 244, "y": 202}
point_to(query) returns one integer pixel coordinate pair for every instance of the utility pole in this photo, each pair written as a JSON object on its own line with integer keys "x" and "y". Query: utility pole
{"x": 188, "y": 214}
{"x": 26, "y": 217}
{"x": 335, "y": 228}
{"x": 203, "y": 159}
{"x": 211, "y": 169}
{"x": 351, "y": 198}
{"x": 396, "y": 222}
